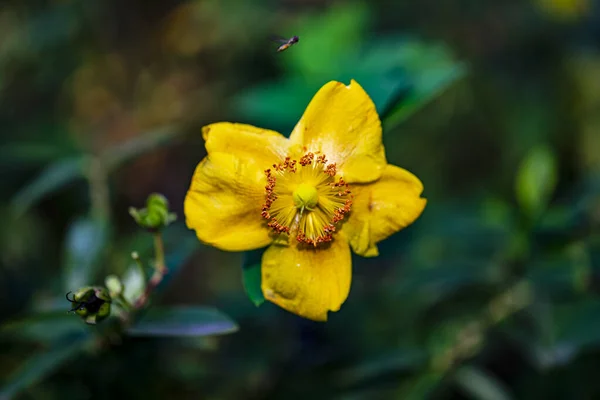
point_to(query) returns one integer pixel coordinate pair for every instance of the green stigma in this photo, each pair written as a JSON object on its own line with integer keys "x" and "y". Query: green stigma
{"x": 305, "y": 197}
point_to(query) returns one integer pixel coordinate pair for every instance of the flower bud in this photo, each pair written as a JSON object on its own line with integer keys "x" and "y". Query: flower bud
{"x": 156, "y": 215}
{"x": 91, "y": 303}
{"x": 114, "y": 285}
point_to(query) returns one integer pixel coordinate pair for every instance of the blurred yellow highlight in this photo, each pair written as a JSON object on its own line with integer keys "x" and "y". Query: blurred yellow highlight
{"x": 565, "y": 10}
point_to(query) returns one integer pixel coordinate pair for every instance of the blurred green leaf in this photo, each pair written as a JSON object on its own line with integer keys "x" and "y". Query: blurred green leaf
{"x": 47, "y": 327}
{"x": 547, "y": 357}
{"x": 370, "y": 394}
{"x": 399, "y": 74}
{"x": 251, "y": 276}
{"x": 134, "y": 283}
{"x": 120, "y": 154}
{"x": 561, "y": 224}
{"x": 40, "y": 32}
{"x": 575, "y": 216}
{"x": 272, "y": 102}
{"x": 183, "y": 321}
{"x": 35, "y": 368}
{"x": 85, "y": 241}
{"x": 577, "y": 324}
{"x": 420, "y": 387}
{"x": 536, "y": 180}
{"x": 436, "y": 281}
{"x": 422, "y": 95}
{"x": 559, "y": 273}
{"x": 480, "y": 385}
{"x": 52, "y": 178}
{"x": 31, "y": 153}
{"x": 180, "y": 245}
{"x": 400, "y": 360}
{"x": 326, "y": 40}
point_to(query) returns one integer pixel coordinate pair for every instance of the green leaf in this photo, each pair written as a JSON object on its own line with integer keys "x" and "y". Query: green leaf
{"x": 431, "y": 70}
{"x": 326, "y": 40}
{"x": 134, "y": 283}
{"x": 422, "y": 95}
{"x": 399, "y": 74}
{"x": 480, "y": 385}
{"x": 272, "y": 102}
{"x": 536, "y": 180}
{"x": 183, "y": 321}
{"x": 252, "y": 277}
{"x": 51, "y": 179}
{"x": 46, "y": 327}
{"x": 35, "y": 368}
{"x": 85, "y": 241}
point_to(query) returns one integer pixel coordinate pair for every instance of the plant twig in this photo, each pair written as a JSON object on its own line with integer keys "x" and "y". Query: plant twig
{"x": 160, "y": 270}
{"x": 136, "y": 258}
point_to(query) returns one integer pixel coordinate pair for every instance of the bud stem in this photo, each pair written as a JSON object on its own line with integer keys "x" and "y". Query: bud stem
{"x": 159, "y": 254}
{"x": 160, "y": 270}
{"x": 136, "y": 258}
{"x": 125, "y": 303}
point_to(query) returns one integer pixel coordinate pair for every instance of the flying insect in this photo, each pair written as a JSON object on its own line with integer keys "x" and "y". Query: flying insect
{"x": 285, "y": 43}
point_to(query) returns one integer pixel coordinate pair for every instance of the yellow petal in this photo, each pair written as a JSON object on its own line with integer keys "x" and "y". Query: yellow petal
{"x": 246, "y": 142}
{"x": 383, "y": 208}
{"x": 227, "y": 192}
{"x": 307, "y": 281}
{"x": 342, "y": 122}
{"x": 224, "y": 202}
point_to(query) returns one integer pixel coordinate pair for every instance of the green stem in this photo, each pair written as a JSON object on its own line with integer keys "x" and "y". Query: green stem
{"x": 160, "y": 270}
{"x": 136, "y": 258}
{"x": 125, "y": 303}
{"x": 159, "y": 253}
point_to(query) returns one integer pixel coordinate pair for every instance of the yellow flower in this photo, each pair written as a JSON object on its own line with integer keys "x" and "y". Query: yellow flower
{"x": 312, "y": 197}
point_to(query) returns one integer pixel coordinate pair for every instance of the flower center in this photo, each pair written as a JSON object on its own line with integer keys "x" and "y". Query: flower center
{"x": 305, "y": 199}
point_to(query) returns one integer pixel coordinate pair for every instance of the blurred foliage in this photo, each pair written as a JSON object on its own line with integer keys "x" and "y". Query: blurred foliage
{"x": 400, "y": 74}
{"x": 491, "y": 294}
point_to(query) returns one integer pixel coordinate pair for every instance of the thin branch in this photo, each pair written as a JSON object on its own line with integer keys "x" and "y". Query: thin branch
{"x": 160, "y": 270}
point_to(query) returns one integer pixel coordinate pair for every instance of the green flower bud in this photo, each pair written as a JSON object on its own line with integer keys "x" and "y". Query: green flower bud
{"x": 156, "y": 214}
{"x": 114, "y": 285}
{"x": 157, "y": 200}
{"x": 91, "y": 303}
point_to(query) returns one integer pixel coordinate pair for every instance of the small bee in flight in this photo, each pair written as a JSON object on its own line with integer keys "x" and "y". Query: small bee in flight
{"x": 285, "y": 43}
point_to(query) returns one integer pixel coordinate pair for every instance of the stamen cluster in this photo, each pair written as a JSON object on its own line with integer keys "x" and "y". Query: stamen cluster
{"x": 311, "y": 226}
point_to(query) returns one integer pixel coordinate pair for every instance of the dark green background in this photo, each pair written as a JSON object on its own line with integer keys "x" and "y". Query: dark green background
{"x": 491, "y": 295}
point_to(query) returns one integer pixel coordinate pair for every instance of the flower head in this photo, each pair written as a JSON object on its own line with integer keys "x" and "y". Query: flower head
{"x": 91, "y": 303}
{"x": 310, "y": 198}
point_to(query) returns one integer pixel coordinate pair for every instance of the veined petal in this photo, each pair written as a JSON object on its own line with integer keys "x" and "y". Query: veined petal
{"x": 224, "y": 202}
{"x": 264, "y": 147}
{"x": 342, "y": 122}
{"x": 307, "y": 281}
{"x": 383, "y": 208}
